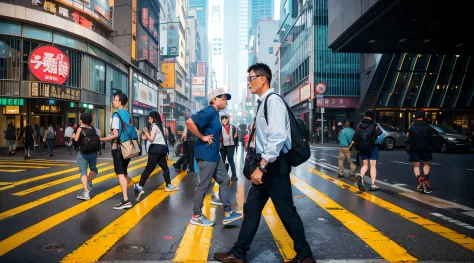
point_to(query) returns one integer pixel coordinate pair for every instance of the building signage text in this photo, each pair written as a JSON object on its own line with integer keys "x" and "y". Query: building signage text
{"x": 54, "y": 91}
{"x": 49, "y": 64}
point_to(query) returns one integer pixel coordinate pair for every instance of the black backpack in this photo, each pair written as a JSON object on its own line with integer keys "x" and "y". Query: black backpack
{"x": 89, "y": 141}
{"x": 300, "y": 151}
{"x": 365, "y": 139}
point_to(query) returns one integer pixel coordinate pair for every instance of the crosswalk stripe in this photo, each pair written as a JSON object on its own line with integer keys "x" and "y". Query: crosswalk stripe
{"x": 29, "y": 233}
{"x": 59, "y": 181}
{"x": 44, "y": 176}
{"x": 23, "y": 208}
{"x": 26, "y": 163}
{"x": 282, "y": 238}
{"x": 94, "y": 248}
{"x": 196, "y": 241}
{"x": 11, "y": 171}
{"x": 23, "y": 166}
{"x": 5, "y": 183}
{"x": 384, "y": 246}
{"x": 454, "y": 236}
{"x": 67, "y": 179}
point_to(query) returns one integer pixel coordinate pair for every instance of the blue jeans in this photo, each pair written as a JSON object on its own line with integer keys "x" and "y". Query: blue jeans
{"x": 87, "y": 160}
{"x": 50, "y": 145}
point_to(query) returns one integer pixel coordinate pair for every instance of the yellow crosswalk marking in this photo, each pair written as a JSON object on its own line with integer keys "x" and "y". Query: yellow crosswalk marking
{"x": 44, "y": 176}
{"x": 36, "y": 163}
{"x": 29, "y": 233}
{"x": 454, "y": 236}
{"x": 23, "y": 208}
{"x": 67, "y": 179}
{"x": 282, "y": 238}
{"x": 196, "y": 241}
{"x": 94, "y": 248}
{"x": 23, "y": 166}
{"x": 56, "y": 182}
{"x": 384, "y": 246}
{"x": 11, "y": 171}
{"x": 5, "y": 183}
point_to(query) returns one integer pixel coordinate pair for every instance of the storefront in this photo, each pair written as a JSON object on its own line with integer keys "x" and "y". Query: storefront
{"x": 145, "y": 99}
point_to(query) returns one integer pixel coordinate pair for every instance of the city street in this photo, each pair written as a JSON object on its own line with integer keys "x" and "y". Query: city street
{"x": 42, "y": 221}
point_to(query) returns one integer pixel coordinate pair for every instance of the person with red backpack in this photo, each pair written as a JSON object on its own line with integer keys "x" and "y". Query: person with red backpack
{"x": 89, "y": 145}
{"x": 364, "y": 139}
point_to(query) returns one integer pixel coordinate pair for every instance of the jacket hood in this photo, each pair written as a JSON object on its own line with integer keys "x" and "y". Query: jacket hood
{"x": 365, "y": 123}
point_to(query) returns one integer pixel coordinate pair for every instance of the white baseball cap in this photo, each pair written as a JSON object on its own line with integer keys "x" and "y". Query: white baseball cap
{"x": 217, "y": 92}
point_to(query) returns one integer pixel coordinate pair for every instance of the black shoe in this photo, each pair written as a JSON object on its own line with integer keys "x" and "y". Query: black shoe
{"x": 51, "y": 155}
{"x": 234, "y": 178}
{"x": 123, "y": 204}
{"x": 360, "y": 184}
{"x": 340, "y": 175}
{"x": 177, "y": 168}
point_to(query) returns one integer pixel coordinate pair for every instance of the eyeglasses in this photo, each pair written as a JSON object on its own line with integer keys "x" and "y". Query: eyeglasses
{"x": 252, "y": 78}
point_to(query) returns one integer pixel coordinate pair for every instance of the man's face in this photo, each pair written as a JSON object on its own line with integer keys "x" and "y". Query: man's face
{"x": 221, "y": 102}
{"x": 116, "y": 102}
{"x": 255, "y": 82}
{"x": 225, "y": 121}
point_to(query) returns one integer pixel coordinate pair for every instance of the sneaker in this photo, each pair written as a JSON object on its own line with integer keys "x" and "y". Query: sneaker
{"x": 123, "y": 204}
{"x": 200, "y": 221}
{"x": 84, "y": 196}
{"x": 426, "y": 187}
{"x": 234, "y": 178}
{"x": 171, "y": 188}
{"x": 360, "y": 184}
{"x": 231, "y": 216}
{"x": 216, "y": 200}
{"x": 419, "y": 188}
{"x": 89, "y": 185}
{"x": 374, "y": 188}
{"x": 138, "y": 190}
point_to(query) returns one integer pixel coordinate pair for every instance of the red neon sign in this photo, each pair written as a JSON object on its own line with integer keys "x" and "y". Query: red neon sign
{"x": 49, "y": 64}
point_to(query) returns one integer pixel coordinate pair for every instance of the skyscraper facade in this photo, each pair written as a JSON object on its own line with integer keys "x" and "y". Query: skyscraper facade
{"x": 259, "y": 10}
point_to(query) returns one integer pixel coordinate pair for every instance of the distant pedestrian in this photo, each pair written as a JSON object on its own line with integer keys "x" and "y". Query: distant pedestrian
{"x": 364, "y": 139}
{"x": 155, "y": 138}
{"x": 68, "y": 137}
{"x": 10, "y": 136}
{"x": 89, "y": 145}
{"x": 205, "y": 125}
{"x": 50, "y": 136}
{"x": 28, "y": 140}
{"x": 344, "y": 141}
{"x": 41, "y": 134}
{"x": 229, "y": 133}
{"x": 420, "y": 142}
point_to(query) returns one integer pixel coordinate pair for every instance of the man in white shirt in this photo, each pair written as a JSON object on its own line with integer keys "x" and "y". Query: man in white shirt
{"x": 67, "y": 137}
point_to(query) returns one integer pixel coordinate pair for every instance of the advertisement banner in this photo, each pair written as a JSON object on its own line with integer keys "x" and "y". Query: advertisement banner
{"x": 199, "y": 90}
{"x": 340, "y": 102}
{"x": 201, "y": 69}
{"x": 305, "y": 92}
{"x": 147, "y": 95}
{"x": 149, "y": 18}
{"x": 147, "y": 47}
{"x": 293, "y": 98}
{"x": 169, "y": 73}
{"x": 173, "y": 39}
{"x": 49, "y": 64}
{"x": 103, "y": 8}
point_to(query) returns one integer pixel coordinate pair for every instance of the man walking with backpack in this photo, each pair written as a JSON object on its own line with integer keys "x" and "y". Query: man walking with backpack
{"x": 123, "y": 130}
{"x": 420, "y": 140}
{"x": 364, "y": 140}
{"x": 271, "y": 179}
{"x": 89, "y": 145}
{"x": 344, "y": 140}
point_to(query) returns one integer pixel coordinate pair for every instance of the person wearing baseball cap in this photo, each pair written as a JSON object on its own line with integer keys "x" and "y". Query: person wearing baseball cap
{"x": 206, "y": 125}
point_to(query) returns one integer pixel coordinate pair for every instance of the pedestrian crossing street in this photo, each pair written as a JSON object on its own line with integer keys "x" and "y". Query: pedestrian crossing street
{"x": 39, "y": 207}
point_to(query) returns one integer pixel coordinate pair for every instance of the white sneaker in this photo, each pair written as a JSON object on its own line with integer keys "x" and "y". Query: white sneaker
{"x": 84, "y": 196}
{"x": 171, "y": 188}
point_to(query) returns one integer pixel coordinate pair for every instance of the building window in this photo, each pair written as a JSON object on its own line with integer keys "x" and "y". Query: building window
{"x": 69, "y": 41}
{"x": 9, "y": 58}
{"x": 10, "y": 29}
{"x": 216, "y": 14}
{"x": 36, "y": 33}
{"x": 270, "y": 50}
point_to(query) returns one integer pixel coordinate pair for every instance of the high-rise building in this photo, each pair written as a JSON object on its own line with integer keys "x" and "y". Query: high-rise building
{"x": 259, "y": 10}
{"x": 216, "y": 40}
{"x": 265, "y": 42}
{"x": 305, "y": 61}
{"x": 201, "y": 8}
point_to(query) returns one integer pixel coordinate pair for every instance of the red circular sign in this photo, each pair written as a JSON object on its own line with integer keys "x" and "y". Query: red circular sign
{"x": 49, "y": 64}
{"x": 320, "y": 88}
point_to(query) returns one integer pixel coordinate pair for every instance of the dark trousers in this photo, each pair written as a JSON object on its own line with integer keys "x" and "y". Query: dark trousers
{"x": 228, "y": 152}
{"x": 153, "y": 160}
{"x": 183, "y": 160}
{"x": 190, "y": 153}
{"x": 277, "y": 186}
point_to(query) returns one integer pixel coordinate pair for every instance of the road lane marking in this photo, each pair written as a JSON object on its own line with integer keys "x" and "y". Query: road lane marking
{"x": 453, "y": 236}
{"x": 36, "y": 163}
{"x": 56, "y": 182}
{"x": 94, "y": 248}
{"x": 384, "y": 246}
{"x": 5, "y": 183}
{"x": 38, "y": 178}
{"x": 69, "y": 178}
{"x": 282, "y": 238}
{"x": 454, "y": 221}
{"x": 330, "y": 155}
{"x": 196, "y": 241}
{"x": 30, "y": 205}
{"x": 23, "y": 166}
{"x": 469, "y": 169}
{"x": 11, "y": 171}
{"x": 31, "y": 232}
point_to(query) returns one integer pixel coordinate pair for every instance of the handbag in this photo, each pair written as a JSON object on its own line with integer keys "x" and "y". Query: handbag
{"x": 130, "y": 148}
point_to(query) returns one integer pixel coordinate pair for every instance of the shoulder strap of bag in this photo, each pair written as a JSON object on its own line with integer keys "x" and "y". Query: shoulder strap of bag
{"x": 124, "y": 127}
{"x": 254, "y": 127}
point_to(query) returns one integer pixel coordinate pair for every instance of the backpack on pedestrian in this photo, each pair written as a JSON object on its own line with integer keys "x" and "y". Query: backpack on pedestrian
{"x": 89, "y": 141}
{"x": 128, "y": 138}
{"x": 300, "y": 151}
{"x": 365, "y": 139}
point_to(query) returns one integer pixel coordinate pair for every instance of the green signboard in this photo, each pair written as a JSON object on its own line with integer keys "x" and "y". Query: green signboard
{"x": 11, "y": 102}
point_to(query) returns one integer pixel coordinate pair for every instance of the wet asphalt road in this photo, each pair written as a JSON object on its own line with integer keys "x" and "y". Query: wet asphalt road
{"x": 42, "y": 221}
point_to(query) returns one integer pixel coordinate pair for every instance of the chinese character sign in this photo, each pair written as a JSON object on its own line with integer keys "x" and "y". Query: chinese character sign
{"x": 49, "y": 64}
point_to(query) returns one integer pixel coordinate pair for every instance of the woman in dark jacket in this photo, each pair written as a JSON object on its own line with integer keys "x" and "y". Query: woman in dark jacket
{"x": 28, "y": 140}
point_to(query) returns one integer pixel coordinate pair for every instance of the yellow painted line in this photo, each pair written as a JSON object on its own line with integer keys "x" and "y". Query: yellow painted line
{"x": 11, "y": 171}
{"x": 44, "y": 176}
{"x": 384, "y": 246}
{"x": 94, "y": 248}
{"x": 196, "y": 241}
{"x": 29, "y": 233}
{"x": 5, "y": 183}
{"x": 35, "y": 163}
{"x": 30, "y": 205}
{"x": 23, "y": 166}
{"x": 60, "y": 181}
{"x": 453, "y": 236}
{"x": 69, "y": 178}
{"x": 282, "y": 238}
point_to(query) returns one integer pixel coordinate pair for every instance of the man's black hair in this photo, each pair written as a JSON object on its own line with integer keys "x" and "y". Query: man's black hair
{"x": 224, "y": 117}
{"x": 86, "y": 118}
{"x": 261, "y": 69}
{"x": 122, "y": 97}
